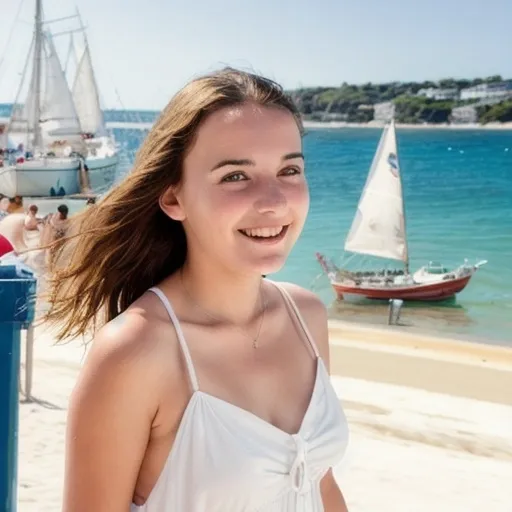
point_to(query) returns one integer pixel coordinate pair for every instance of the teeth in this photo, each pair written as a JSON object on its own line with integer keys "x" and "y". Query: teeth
{"x": 263, "y": 232}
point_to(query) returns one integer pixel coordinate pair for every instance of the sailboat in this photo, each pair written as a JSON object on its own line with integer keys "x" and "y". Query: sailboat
{"x": 379, "y": 230}
{"x": 101, "y": 155}
{"x": 44, "y": 128}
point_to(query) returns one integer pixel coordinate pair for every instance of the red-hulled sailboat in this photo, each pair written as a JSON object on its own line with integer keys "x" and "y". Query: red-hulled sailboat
{"x": 378, "y": 229}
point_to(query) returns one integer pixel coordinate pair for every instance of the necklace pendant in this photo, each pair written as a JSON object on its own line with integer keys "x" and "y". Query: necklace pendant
{"x": 255, "y": 343}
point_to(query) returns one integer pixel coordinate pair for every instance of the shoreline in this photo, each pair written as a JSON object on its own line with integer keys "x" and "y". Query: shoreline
{"x": 431, "y": 345}
{"x": 411, "y": 330}
{"x": 464, "y": 369}
{"x": 314, "y": 125}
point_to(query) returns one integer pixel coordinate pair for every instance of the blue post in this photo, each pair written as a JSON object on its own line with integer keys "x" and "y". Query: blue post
{"x": 17, "y": 294}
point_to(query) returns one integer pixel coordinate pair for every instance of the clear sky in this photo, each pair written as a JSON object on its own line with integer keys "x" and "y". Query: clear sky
{"x": 147, "y": 49}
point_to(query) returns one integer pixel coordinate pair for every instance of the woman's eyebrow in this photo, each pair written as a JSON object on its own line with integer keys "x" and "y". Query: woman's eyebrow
{"x": 248, "y": 161}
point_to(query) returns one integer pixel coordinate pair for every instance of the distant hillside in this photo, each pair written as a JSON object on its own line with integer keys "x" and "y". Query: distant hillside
{"x": 413, "y": 102}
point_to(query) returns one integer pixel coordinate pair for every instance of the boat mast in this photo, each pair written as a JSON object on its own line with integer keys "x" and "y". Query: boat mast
{"x": 406, "y": 262}
{"x": 38, "y": 50}
{"x": 82, "y": 27}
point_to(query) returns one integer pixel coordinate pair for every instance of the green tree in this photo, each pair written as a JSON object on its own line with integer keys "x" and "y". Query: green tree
{"x": 500, "y": 112}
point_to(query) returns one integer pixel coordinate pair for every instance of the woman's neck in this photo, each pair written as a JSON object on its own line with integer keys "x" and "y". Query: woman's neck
{"x": 221, "y": 294}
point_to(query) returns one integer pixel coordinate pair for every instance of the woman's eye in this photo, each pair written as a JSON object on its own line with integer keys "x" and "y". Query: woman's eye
{"x": 291, "y": 171}
{"x": 236, "y": 176}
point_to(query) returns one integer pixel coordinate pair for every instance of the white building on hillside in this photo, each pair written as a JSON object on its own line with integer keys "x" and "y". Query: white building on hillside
{"x": 434, "y": 93}
{"x": 499, "y": 90}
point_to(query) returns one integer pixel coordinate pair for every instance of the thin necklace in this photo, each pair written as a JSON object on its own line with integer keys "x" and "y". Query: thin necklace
{"x": 254, "y": 340}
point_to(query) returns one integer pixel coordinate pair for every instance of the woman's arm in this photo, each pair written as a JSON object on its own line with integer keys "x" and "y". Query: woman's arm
{"x": 109, "y": 420}
{"x": 332, "y": 497}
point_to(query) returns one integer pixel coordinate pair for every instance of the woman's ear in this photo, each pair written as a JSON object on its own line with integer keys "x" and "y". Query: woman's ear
{"x": 170, "y": 204}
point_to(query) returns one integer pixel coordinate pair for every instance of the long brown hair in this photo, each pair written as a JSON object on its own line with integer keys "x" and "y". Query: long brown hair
{"x": 125, "y": 244}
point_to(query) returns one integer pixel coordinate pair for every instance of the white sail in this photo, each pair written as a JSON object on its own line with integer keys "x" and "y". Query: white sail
{"x": 59, "y": 119}
{"x": 86, "y": 97}
{"x": 378, "y": 228}
{"x": 22, "y": 119}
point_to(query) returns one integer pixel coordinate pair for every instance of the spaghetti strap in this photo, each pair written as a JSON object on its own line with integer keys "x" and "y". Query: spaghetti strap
{"x": 288, "y": 299}
{"x": 181, "y": 337}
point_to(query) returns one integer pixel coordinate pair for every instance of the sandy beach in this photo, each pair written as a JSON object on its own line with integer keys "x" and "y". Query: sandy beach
{"x": 430, "y": 422}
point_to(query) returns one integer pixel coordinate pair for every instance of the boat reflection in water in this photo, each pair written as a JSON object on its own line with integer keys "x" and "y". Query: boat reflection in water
{"x": 442, "y": 317}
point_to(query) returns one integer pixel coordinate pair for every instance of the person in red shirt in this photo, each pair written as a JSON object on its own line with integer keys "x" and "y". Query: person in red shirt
{"x": 5, "y": 246}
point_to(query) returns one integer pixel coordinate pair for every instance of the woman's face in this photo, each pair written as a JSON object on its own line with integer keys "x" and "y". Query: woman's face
{"x": 244, "y": 197}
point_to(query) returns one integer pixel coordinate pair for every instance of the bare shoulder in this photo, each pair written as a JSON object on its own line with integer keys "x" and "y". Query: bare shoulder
{"x": 137, "y": 346}
{"x": 314, "y": 313}
{"x": 308, "y": 302}
{"x": 134, "y": 334}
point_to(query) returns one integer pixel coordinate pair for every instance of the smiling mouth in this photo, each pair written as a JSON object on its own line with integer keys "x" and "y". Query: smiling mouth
{"x": 265, "y": 234}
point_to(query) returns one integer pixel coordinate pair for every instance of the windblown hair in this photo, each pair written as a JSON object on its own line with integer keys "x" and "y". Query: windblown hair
{"x": 118, "y": 248}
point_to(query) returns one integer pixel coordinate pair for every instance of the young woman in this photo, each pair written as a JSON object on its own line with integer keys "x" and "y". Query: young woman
{"x": 207, "y": 389}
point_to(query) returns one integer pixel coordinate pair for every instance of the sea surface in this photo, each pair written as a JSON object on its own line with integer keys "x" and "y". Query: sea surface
{"x": 458, "y": 197}
{"x": 458, "y": 200}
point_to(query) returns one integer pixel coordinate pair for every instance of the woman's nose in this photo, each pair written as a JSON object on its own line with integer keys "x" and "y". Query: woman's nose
{"x": 271, "y": 199}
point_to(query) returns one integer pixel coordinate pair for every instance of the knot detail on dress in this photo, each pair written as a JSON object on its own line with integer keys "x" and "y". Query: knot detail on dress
{"x": 299, "y": 470}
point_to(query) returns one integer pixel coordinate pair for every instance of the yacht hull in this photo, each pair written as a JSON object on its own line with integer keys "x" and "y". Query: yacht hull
{"x": 41, "y": 178}
{"x": 434, "y": 291}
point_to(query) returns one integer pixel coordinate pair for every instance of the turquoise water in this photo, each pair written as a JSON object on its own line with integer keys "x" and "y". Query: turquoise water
{"x": 458, "y": 191}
